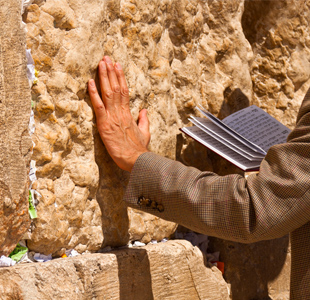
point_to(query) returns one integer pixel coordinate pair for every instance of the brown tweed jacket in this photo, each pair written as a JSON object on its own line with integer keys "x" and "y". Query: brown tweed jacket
{"x": 264, "y": 206}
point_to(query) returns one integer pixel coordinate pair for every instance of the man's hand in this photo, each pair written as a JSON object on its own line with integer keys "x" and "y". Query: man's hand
{"x": 123, "y": 138}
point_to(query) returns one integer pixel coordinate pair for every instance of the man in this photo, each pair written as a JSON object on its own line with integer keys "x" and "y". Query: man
{"x": 267, "y": 205}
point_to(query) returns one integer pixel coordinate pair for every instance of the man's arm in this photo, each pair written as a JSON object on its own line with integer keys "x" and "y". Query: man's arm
{"x": 265, "y": 206}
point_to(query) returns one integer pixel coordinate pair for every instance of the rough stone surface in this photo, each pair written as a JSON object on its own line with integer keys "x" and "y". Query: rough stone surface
{"x": 175, "y": 54}
{"x": 279, "y": 35}
{"x": 172, "y": 270}
{"x": 225, "y": 55}
{"x": 15, "y": 142}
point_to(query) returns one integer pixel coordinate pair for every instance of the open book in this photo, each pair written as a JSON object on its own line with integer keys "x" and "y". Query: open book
{"x": 242, "y": 138}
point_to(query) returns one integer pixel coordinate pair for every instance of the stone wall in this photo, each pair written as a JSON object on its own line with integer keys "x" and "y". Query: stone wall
{"x": 280, "y": 70}
{"x": 15, "y": 142}
{"x": 225, "y": 55}
{"x": 176, "y": 54}
{"x": 172, "y": 270}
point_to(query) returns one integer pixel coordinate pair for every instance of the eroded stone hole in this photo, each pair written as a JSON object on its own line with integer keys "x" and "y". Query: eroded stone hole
{"x": 254, "y": 12}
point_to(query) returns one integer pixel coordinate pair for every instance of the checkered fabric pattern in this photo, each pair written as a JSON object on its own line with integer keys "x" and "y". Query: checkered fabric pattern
{"x": 264, "y": 206}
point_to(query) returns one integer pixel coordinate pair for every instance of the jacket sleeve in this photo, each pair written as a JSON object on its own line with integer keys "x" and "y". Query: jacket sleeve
{"x": 267, "y": 205}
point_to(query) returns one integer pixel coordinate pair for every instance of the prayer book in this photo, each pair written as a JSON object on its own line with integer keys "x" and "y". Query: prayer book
{"x": 243, "y": 138}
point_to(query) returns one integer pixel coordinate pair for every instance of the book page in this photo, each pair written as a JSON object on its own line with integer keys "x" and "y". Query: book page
{"x": 258, "y": 127}
{"x": 232, "y": 132}
{"x": 224, "y": 151}
{"x": 225, "y": 138}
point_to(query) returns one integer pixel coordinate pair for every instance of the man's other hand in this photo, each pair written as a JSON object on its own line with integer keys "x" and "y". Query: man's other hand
{"x": 124, "y": 139}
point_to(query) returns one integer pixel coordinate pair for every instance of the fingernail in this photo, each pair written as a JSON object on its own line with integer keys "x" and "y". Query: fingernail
{"x": 107, "y": 60}
{"x": 102, "y": 65}
{"x": 118, "y": 66}
{"x": 92, "y": 82}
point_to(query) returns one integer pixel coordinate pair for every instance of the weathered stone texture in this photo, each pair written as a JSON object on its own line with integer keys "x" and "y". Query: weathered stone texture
{"x": 175, "y": 54}
{"x": 172, "y": 270}
{"x": 15, "y": 142}
{"x": 225, "y": 55}
{"x": 279, "y": 35}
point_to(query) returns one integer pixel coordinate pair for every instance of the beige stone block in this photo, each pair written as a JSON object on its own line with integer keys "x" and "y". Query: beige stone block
{"x": 15, "y": 142}
{"x": 223, "y": 54}
{"x": 172, "y": 270}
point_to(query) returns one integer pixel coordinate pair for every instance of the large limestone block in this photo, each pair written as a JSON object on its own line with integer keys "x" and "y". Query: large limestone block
{"x": 225, "y": 55}
{"x": 172, "y": 270}
{"x": 175, "y": 54}
{"x": 15, "y": 142}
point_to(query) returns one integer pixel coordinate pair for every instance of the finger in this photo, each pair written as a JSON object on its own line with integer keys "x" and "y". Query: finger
{"x": 114, "y": 84}
{"x": 96, "y": 100}
{"x": 144, "y": 124}
{"x": 106, "y": 91}
{"x": 123, "y": 85}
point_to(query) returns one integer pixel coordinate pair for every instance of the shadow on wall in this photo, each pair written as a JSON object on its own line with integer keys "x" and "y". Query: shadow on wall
{"x": 135, "y": 282}
{"x": 112, "y": 184}
{"x": 251, "y": 269}
{"x": 234, "y": 100}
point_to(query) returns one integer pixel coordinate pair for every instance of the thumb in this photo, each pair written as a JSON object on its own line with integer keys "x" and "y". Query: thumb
{"x": 143, "y": 124}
